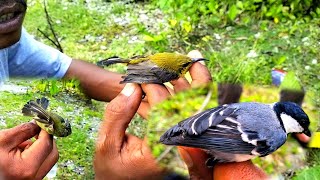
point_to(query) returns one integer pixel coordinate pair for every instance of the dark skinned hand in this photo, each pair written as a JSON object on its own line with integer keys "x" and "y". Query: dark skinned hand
{"x": 21, "y": 158}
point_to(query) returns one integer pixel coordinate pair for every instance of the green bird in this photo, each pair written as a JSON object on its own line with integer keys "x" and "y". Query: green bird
{"x": 50, "y": 122}
{"x": 158, "y": 68}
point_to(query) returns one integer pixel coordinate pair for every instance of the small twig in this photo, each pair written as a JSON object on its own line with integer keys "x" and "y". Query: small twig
{"x": 47, "y": 36}
{"x": 55, "y": 41}
{"x": 168, "y": 149}
{"x": 205, "y": 102}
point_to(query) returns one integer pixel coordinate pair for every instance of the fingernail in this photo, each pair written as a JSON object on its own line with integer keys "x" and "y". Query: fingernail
{"x": 195, "y": 53}
{"x": 186, "y": 157}
{"x": 202, "y": 62}
{"x": 33, "y": 121}
{"x": 128, "y": 89}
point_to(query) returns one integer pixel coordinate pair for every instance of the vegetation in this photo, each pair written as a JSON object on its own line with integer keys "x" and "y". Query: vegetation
{"x": 244, "y": 41}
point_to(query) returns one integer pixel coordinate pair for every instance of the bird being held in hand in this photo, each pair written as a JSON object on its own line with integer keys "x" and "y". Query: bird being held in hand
{"x": 158, "y": 68}
{"x": 50, "y": 122}
{"x": 240, "y": 131}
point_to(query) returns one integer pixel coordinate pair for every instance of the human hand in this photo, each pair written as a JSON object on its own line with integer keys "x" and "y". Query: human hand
{"x": 195, "y": 160}
{"x": 23, "y": 159}
{"x": 119, "y": 155}
{"x": 156, "y": 93}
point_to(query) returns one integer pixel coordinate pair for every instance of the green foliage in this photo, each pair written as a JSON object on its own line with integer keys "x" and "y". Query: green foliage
{"x": 240, "y": 11}
{"x": 313, "y": 157}
{"x": 308, "y": 173}
{"x": 54, "y": 86}
{"x": 291, "y": 82}
{"x": 233, "y": 66}
{"x": 159, "y": 43}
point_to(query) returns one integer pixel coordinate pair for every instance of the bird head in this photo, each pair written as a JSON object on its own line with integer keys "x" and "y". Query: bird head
{"x": 175, "y": 62}
{"x": 62, "y": 127}
{"x": 294, "y": 119}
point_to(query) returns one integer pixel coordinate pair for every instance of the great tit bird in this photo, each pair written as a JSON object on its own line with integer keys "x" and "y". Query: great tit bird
{"x": 158, "y": 68}
{"x": 50, "y": 122}
{"x": 240, "y": 131}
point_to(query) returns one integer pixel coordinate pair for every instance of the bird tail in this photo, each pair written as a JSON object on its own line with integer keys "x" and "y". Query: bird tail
{"x": 112, "y": 60}
{"x": 37, "y": 109}
{"x": 172, "y": 136}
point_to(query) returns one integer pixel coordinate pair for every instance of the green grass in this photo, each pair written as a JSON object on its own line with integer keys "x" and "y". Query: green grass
{"x": 96, "y": 30}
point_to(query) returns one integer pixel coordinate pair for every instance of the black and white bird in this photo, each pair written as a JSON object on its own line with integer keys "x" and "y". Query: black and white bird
{"x": 240, "y": 131}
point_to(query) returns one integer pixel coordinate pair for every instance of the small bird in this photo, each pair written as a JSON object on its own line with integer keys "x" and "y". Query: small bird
{"x": 239, "y": 131}
{"x": 158, "y": 68}
{"x": 50, "y": 122}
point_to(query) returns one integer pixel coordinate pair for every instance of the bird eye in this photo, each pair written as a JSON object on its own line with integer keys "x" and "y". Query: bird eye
{"x": 185, "y": 64}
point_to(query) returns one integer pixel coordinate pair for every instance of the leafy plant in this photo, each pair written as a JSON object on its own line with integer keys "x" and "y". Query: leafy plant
{"x": 291, "y": 82}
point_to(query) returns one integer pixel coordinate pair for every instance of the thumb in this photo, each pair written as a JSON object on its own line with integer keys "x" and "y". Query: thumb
{"x": 118, "y": 115}
{"x": 195, "y": 160}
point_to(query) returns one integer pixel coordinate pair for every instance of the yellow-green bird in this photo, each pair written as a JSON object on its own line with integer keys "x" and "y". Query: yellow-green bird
{"x": 157, "y": 68}
{"x": 50, "y": 122}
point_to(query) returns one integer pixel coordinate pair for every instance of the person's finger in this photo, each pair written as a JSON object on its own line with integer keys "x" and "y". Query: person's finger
{"x": 39, "y": 150}
{"x": 48, "y": 163}
{"x": 195, "y": 54}
{"x": 11, "y": 138}
{"x": 202, "y": 78}
{"x": 180, "y": 84}
{"x": 302, "y": 137}
{"x": 118, "y": 115}
{"x": 25, "y": 145}
{"x": 238, "y": 170}
{"x": 195, "y": 160}
{"x": 155, "y": 93}
{"x": 144, "y": 109}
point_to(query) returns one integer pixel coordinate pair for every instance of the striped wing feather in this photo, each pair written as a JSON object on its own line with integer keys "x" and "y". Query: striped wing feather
{"x": 216, "y": 129}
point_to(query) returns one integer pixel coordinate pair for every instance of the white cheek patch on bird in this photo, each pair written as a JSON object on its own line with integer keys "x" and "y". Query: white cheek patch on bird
{"x": 290, "y": 124}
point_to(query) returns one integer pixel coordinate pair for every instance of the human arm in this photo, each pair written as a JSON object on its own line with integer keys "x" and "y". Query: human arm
{"x": 97, "y": 82}
{"x": 23, "y": 159}
{"x": 32, "y": 59}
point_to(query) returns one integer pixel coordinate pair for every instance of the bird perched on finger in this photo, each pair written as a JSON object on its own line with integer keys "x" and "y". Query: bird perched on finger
{"x": 157, "y": 68}
{"x": 240, "y": 131}
{"x": 50, "y": 122}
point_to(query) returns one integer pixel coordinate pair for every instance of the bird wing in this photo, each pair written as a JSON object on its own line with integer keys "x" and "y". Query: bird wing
{"x": 37, "y": 109}
{"x": 146, "y": 72}
{"x": 219, "y": 129}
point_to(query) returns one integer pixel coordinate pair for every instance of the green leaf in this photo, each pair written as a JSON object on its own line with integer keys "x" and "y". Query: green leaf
{"x": 187, "y": 26}
{"x": 281, "y": 60}
{"x": 240, "y": 4}
{"x": 318, "y": 11}
{"x": 233, "y": 12}
{"x": 54, "y": 89}
{"x": 148, "y": 38}
{"x": 173, "y": 22}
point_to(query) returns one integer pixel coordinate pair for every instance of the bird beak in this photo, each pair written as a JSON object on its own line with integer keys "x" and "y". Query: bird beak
{"x": 198, "y": 59}
{"x": 307, "y": 132}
